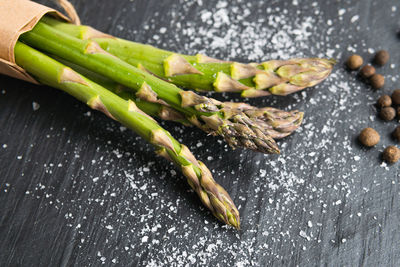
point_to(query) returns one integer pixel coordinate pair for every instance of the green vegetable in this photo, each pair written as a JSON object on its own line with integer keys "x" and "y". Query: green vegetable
{"x": 50, "y": 72}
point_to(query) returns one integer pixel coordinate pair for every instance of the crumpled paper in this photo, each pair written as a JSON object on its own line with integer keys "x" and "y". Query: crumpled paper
{"x": 17, "y": 17}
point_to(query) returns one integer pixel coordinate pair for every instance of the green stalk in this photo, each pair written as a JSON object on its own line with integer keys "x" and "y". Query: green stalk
{"x": 55, "y": 74}
{"x": 235, "y": 127}
{"x": 277, "y": 123}
{"x": 152, "y": 109}
{"x": 279, "y": 77}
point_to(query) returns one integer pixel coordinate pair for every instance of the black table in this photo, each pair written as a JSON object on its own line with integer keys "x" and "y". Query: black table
{"x": 77, "y": 189}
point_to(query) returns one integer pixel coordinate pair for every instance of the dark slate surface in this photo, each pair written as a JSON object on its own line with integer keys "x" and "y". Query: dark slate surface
{"x": 76, "y": 190}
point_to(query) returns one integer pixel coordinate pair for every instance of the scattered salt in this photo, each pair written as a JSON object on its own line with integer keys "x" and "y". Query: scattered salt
{"x": 278, "y": 184}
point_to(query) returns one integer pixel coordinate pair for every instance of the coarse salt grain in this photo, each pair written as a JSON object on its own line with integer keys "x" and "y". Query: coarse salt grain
{"x": 35, "y": 106}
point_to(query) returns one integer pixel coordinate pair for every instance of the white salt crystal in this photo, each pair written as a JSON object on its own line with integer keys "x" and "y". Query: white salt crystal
{"x": 35, "y": 106}
{"x": 354, "y": 18}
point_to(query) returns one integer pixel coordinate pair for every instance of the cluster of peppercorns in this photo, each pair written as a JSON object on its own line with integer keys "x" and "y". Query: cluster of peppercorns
{"x": 370, "y": 137}
{"x": 388, "y": 104}
{"x": 368, "y": 72}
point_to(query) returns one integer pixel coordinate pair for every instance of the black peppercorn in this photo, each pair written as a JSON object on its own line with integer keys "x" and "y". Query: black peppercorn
{"x": 396, "y": 134}
{"x": 377, "y": 81}
{"x": 391, "y": 154}
{"x": 369, "y": 137}
{"x": 384, "y": 101}
{"x": 354, "y": 62}
{"x": 367, "y": 71}
{"x": 396, "y": 97}
{"x": 387, "y": 113}
{"x": 381, "y": 57}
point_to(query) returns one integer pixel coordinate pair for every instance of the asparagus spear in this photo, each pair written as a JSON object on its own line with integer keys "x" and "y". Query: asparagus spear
{"x": 55, "y": 74}
{"x": 278, "y": 77}
{"x": 274, "y": 122}
{"x": 153, "y": 109}
{"x": 277, "y": 123}
{"x": 213, "y": 116}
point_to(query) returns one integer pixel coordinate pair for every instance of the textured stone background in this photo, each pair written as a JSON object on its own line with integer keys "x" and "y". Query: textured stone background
{"x": 77, "y": 189}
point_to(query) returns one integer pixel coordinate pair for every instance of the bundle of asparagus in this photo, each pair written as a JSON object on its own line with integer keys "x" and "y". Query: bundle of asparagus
{"x": 131, "y": 82}
{"x": 202, "y": 73}
{"x": 50, "y": 72}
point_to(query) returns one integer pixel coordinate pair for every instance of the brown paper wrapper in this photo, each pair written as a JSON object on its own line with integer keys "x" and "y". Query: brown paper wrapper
{"x": 17, "y": 17}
